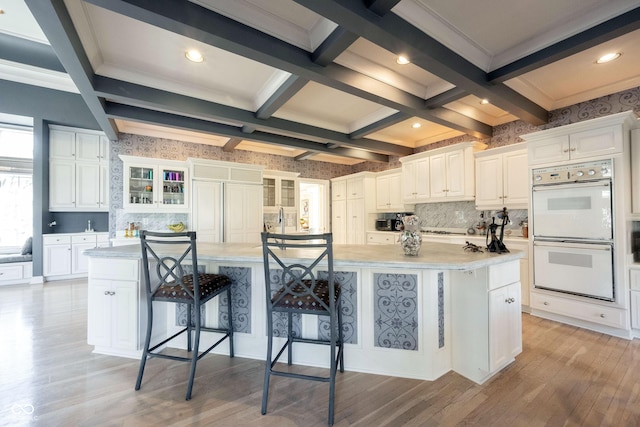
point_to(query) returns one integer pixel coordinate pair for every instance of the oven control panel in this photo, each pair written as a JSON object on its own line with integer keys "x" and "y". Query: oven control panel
{"x": 587, "y": 171}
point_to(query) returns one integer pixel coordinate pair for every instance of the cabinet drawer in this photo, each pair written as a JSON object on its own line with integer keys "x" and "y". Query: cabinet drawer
{"x": 89, "y": 238}
{"x": 113, "y": 269}
{"x": 609, "y": 316}
{"x": 504, "y": 274}
{"x": 11, "y": 272}
{"x": 381, "y": 238}
{"x": 52, "y": 239}
{"x": 634, "y": 279}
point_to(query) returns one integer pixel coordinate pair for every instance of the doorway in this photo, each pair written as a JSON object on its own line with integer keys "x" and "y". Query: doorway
{"x": 314, "y": 206}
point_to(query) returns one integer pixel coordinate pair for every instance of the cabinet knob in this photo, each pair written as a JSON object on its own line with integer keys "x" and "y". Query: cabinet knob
{"x": 545, "y": 303}
{"x": 602, "y": 315}
{"x": 573, "y": 149}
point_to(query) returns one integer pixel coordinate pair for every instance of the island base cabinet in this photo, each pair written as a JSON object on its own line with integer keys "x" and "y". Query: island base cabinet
{"x": 486, "y": 320}
{"x": 117, "y": 308}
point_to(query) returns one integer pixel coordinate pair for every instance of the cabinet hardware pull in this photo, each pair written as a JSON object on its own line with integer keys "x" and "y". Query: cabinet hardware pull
{"x": 507, "y": 301}
{"x": 573, "y": 149}
{"x": 106, "y": 292}
{"x": 545, "y": 303}
{"x": 602, "y": 315}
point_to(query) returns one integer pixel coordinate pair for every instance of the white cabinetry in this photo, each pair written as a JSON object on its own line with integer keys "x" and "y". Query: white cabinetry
{"x": 280, "y": 190}
{"x": 117, "y": 307}
{"x": 352, "y": 205}
{"x": 488, "y": 299}
{"x": 78, "y": 170}
{"x": 449, "y": 175}
{"x": 381, "y": 238}
{"x": 389, "y": 191}
{"x": 206, "y": 210}
{"x": 415, "y": 179}
{"x": 634, "y": 285}
{"x": 243, "y": 213}
{"x": 597, "y": 138}
{"x": 155, "y": 185}
{"x": 63, "y": 255}
{"x": 502, "y": 178}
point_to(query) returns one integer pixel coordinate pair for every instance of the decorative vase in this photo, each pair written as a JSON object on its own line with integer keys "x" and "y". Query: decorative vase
{"x": 411, "y": 241}
{"x": 410, "y": 238}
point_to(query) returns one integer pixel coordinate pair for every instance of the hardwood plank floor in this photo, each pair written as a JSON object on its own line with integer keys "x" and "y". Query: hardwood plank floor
{"x": 565, "y": 376}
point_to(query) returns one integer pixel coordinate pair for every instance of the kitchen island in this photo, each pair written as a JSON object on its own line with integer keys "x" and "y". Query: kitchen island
{"x": 416, "y": 317}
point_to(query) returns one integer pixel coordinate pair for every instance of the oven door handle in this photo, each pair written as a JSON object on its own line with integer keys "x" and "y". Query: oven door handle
{"x": 571, "y": 185}
{"x": 596, "y": 246}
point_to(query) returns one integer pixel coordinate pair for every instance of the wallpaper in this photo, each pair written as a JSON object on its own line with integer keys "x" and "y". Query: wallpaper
{"x": 505, "y": 134}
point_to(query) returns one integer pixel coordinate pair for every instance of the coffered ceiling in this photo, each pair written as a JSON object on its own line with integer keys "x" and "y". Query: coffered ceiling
{"x": 318, "y": 79}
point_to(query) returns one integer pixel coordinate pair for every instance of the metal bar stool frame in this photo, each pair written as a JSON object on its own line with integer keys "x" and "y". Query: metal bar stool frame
{"x": 169, "y": 273}
{"x": 299, "y": 279}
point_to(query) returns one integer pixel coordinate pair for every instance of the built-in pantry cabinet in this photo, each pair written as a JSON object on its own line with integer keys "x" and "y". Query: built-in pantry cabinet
{"x": 78, "y": 170}
{"x": 352, "y": 207}
{"x": 443, "y": 174}
{"x": 502, "y": 178}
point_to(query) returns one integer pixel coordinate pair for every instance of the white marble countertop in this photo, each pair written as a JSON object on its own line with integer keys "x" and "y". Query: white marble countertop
{"x": 436, "y": 256}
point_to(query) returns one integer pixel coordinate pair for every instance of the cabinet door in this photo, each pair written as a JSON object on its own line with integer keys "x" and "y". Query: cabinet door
{"x": 339, "y": 221}
{"x": 171, "y": 189}
{"x": 355, "y": 188}
{"x": 516, "y": 179}
{"x": 56, "y": 260}
{"x": 395, "y": 192}
{"x": 243, "y": 213}
{"x": 88, "y": 147}
{"x": 99, "y": 312}
{"x": 87, "y": 186}
{"x": 62, "y": 144}
{"x": 62, "y": 178}
{"x": 383, "y": 191}
{"x": 139, "y": 185}
{"x": 124, "y": 314}
{"x": 269, "y": 193}
{"x": 596, "y": 142}
{"x": 549, "y": 150}
{"x": 79, "y": 261}
{"x": 438, "y": 176}
{"x": 409, "y": 182}
{"x": 422, "y": 179}
{"x": 455, "y": 174}
{"x": 339, "y": 190}
{"x": 104, "y": 186}
{"x": 505, "y": 325}
{"x": 489, "y": 191}
{"x": 206, "y": 210}
{"x": 355, "y": 222}
{"x": 288, "y": 193}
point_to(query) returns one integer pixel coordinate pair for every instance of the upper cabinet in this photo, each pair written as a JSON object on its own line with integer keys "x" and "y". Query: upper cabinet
{"x": 280, "y": 190}
{"x": 78, "y": 170}
{"x": 155, "y": 184}
{"x": 352, "y": 202}
{"x": 591, "y": 139}
{"x": 389, "y": 191}
{"x": 502, "y": 178}
{"x": 444, "y": 174}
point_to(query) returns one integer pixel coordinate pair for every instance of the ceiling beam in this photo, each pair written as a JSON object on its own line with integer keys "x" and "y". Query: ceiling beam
{"x": 55, "y": 22}
{"x": 337, "y": 42}
{"x": 615, "y": 27}
{"x": 381, "y": 7}
{"x": 379, "y": 125}
{"x": 284, "y": 93}
{"x": 445, "y": 97}
{"x": 304, "y": 156}
{"x": 137, "y": 114}
{"x": 396, "y": 35}
{"x": 23, "y": 51}
{"x": 131, "y": 93}
{"x": 231, "y": 144}
{"x": 198, "y": 23}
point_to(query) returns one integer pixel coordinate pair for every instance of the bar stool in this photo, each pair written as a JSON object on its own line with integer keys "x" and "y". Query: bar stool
{"x": 171, "y": 274}
{"x": 295, "y": 288}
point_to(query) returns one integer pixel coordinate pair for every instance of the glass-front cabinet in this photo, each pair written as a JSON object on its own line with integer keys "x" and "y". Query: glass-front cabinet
{"x": 280, "y": 189}
{"x": 149, "y": 185}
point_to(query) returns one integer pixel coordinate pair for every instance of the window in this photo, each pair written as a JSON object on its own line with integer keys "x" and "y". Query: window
{"x": 16, "y": 187}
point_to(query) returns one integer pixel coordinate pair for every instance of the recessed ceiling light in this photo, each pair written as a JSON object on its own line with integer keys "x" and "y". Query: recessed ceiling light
{"x": 194, "y": 56}
{"x": 1, "y": 11}
{"x": 416, "y": 125}
{"x": 608, "y": 57}
{"x": 402, "y": 60}
{"x": 484, "y": 101}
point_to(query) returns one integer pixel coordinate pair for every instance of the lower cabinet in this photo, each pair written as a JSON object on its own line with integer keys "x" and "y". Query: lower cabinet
{"x": 381, "y": 238}
{"x": 63, "y": 254}
{"x": 117, "y": 308}
{"x": 486, "y": 320}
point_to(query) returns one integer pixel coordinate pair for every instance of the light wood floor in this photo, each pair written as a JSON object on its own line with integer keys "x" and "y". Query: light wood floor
{"x": 48, "y": 376}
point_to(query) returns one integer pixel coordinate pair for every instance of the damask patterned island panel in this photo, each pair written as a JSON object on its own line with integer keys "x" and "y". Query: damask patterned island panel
{"x": 415, "y": 317}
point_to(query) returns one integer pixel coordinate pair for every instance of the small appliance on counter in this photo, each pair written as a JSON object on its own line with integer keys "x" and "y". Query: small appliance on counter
{"x": 383, "y": 225}
{"x": 393, "y": 223}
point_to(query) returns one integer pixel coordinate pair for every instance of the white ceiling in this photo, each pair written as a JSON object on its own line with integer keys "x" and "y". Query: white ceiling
{"x": 487, "y": 34}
